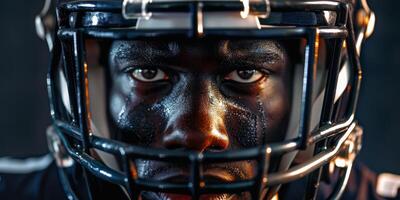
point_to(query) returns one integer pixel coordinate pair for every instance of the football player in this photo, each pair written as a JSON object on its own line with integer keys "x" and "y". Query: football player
{"x": 250, "y": 99}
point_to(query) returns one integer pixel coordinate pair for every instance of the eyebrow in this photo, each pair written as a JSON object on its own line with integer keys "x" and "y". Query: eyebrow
{"x": 264, "y": 51}
{"x": 145, "y": 51}
{"x": 231, "y": 53}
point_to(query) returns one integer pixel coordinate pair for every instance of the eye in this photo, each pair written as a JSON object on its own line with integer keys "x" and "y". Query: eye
{"x": 149, "y": 74}
{"x": 245, "y": 76}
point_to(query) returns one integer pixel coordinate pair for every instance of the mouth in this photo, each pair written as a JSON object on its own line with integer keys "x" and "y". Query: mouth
{"x": 209, "y": 176}
{"x": 179, "y": 177}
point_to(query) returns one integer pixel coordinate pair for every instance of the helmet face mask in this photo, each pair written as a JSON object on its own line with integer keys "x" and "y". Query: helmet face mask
{"x": 199, "y": 109}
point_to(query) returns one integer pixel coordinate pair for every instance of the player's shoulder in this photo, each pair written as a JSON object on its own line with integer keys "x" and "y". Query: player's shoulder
{"x": 364, "y": 184}
{"x": 30, "y": 178}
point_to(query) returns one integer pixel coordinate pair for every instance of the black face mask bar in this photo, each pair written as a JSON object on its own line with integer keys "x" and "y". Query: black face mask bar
{"x": 74, "y": 130}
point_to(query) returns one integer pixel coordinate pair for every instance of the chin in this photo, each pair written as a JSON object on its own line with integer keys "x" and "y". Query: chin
{"x": 216, "y": 173}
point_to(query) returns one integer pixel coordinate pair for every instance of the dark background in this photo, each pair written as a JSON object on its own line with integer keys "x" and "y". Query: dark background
{"x": 24, "y": 104}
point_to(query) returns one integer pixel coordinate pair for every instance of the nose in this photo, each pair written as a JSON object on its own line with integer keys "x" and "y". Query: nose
{"x": 197, "y": 123}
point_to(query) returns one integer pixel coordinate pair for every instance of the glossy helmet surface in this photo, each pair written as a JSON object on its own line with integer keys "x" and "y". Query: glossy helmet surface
{"x": 335, "y": 139}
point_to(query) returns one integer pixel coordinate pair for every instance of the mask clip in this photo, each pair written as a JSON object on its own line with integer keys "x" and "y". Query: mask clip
{"x": 134, "y": 9}
{"x": 259, "y": 8}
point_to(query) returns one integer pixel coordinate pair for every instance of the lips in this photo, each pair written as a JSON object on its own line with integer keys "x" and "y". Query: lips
{"x": 210, "y": 176}
{"x": 214, "y": 175}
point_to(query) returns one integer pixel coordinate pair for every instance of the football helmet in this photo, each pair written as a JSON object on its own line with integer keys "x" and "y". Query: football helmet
{"x": 321, "y": 138}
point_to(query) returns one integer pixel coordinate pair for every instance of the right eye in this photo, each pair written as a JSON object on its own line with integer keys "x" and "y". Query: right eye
{"x": 245, "y": 76}
{"x": 149, "y": 74}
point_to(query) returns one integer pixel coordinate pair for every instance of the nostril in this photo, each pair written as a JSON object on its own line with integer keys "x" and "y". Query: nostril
{"x": 193, "y": 139}
{"x": 173, "y": 141}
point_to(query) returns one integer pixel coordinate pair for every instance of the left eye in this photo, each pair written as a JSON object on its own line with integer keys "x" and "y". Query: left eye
{"x": 244, "y": 76}
{"x": 149, "y": 75}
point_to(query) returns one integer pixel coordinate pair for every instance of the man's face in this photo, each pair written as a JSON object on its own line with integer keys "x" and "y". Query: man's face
{"x": 205, "y": 96}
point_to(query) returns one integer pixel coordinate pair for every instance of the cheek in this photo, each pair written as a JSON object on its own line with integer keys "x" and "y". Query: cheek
{"x": 262, "y": 116}
{"x": 132, "y": 120}
{"x": 274, "y": 100}
{"x": 241, "y": 124}
{"x": 121, "y": 97}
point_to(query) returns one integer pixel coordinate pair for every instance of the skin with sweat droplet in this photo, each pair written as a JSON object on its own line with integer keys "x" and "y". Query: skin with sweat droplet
{"x": 206, "y": 96}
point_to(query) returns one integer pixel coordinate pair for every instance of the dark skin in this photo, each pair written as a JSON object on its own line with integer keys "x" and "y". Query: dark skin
{"x": 199, "y": 95}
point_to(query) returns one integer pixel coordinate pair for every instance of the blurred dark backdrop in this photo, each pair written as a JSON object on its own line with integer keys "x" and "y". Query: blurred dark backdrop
{"x": 23, "y": 100}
